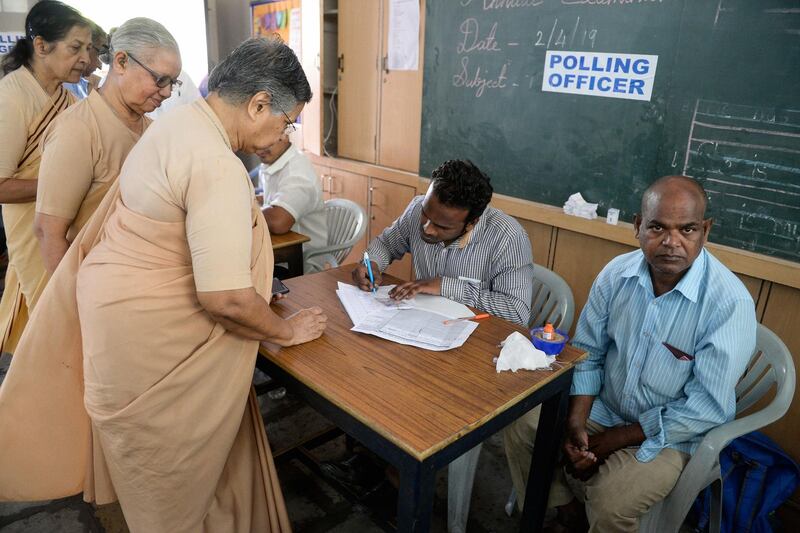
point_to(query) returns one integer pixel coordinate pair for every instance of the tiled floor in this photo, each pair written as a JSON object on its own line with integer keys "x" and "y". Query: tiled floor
{"x": 314, "y": 505}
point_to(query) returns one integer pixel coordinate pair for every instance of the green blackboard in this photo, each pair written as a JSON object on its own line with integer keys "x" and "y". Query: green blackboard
{"x": 725, "y": 105}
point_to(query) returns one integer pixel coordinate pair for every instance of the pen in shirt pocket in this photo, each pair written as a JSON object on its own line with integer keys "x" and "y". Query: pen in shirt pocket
{"x": 680, "y": 355}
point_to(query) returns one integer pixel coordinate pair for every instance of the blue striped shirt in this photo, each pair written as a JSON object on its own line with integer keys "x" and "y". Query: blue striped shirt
{"x": 79, "y": 89}
{"x": 636, "y": 378}
{"x": 490, "y": 267}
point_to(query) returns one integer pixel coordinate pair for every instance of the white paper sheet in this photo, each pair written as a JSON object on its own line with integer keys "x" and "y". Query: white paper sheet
{"x": 403, "y": 35}
{"x": 414, "y": 327}
{"x": 15, "y": 6}
{"x": 442, "y": 306}
{"x": 418, "y": 325}
{"x": 294, "y": 31}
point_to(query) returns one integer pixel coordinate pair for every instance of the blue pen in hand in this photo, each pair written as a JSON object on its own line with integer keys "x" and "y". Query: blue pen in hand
{"x": 369, "y": 271}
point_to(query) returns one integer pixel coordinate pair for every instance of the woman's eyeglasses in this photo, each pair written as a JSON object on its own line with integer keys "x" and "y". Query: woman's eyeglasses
{"x": 162, "y": 80}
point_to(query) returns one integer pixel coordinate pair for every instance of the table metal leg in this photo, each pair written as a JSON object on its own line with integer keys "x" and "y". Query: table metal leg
{"x": 415, "y": 498}
{"x": 545, "y": 456}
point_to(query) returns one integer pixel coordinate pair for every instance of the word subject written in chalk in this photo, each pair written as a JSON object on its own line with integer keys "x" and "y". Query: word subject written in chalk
{"x": 627, "y": 76}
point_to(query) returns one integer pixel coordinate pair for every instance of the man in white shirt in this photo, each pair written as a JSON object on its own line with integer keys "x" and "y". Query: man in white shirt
{"x": 293, "y": 198}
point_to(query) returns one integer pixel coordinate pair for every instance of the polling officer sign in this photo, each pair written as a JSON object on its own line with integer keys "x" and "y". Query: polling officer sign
{"x": 599, "y": 74}
{"x": 8, "y": 39}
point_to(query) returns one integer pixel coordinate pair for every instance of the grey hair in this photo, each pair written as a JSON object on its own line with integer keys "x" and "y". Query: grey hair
{"x": 140, "y": 36}
{"x": 261, "y": 64}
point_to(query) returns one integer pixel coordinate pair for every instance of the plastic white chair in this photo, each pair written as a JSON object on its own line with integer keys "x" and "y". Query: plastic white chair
{"x": 771, "y": 364}
{"x": 552, "y": 302}
{"x": 346, "y": 226}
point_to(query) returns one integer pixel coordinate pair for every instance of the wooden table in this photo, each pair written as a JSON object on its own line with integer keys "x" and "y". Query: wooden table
{"x": 417, "y": 409}
{"x": 288, "y": 248}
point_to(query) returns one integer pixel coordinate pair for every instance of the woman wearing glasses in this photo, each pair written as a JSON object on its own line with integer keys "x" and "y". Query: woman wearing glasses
{"x": 155, "y": 316}
{"x": 55, "y": 49}
{"x": 83, "y": 150}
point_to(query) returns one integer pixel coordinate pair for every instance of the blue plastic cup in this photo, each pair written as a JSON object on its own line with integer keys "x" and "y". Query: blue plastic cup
{"x": 549, "y": 347}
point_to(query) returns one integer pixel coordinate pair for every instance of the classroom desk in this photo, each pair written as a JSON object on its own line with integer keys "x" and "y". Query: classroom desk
{"x": 417, "y": 409}
{"x": 288, "y": 248}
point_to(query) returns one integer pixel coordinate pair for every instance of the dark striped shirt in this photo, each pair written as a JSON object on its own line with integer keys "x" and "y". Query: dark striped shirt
{"x": 490, "y": 268}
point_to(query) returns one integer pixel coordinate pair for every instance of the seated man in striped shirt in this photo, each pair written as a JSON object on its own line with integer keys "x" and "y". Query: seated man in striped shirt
{"x": 669, "y": 331}
{"x": 462, "y": 249}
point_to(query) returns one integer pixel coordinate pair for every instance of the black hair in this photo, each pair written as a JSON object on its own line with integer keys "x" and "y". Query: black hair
{"x": 49, "y": 19}
{"x": 461, "y": 184}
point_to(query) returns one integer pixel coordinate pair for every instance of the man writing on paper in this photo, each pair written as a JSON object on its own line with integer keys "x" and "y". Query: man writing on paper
{"x": 462, "y": 249}
{"x": 669, "y": 331}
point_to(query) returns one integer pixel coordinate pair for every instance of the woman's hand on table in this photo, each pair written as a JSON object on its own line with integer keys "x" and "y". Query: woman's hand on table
{"x": 307, "y": 325}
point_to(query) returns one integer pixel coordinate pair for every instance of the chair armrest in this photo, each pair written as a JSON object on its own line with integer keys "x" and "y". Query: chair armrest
{"x": 721, "y": 436}
{"x": 326, "y": 250}
{"x": 703, "y": 467}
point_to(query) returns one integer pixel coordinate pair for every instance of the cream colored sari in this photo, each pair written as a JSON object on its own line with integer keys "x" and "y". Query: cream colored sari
{"x": 186, "y": 452}
{"x": 26, "y": 275}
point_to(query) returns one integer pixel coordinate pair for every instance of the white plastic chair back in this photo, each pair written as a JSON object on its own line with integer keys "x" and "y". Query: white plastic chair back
{"x": 771, "y": 365}
{"x": 346, "y": 226}
{"x": 552, "y": 300}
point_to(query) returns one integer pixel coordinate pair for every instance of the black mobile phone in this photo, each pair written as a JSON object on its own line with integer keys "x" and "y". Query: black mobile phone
{"x": 278, "y": 287}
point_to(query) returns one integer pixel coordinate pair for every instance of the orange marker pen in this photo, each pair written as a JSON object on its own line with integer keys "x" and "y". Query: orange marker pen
{"x": 476, "y": 317}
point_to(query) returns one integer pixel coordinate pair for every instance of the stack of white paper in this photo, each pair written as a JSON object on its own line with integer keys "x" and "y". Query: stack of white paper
{"x": 409, "y": 322}
{"x": 579, "y": 207}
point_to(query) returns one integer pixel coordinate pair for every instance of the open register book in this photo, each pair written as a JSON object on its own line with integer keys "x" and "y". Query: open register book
{"x": 416, "y": 322}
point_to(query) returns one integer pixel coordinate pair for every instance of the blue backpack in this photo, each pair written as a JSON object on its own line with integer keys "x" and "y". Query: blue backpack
{"x": 757, "y": 477}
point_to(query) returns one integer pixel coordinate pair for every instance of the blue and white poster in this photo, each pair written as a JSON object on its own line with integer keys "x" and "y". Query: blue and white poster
{"x": 628, "y": 76}
{"x": 8, "y": 39}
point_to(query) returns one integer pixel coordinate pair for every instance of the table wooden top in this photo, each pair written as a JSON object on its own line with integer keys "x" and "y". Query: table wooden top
{"x": 418, "y": 399}
{"x": 287, "y": 239}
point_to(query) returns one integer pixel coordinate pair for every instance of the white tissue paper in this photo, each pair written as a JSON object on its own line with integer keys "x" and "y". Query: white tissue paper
{"x": 579, "y": 207}
{"x": 519, "y": 353}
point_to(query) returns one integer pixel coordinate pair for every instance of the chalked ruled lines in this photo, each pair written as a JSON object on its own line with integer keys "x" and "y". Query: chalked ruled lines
{"x": 746, "y": 157}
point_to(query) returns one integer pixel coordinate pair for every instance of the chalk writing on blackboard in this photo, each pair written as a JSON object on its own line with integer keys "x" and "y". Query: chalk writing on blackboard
{"x": 477, "y": 71}
{"x": 746, "y": 158}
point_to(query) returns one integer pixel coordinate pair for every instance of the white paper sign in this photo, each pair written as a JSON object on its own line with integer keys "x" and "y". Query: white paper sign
{"x": 8, "y": 39}
{"x": 15, "y": 6}
{"x": 403, "y": 35}
{"x": 628, "y": 76}
{"x": 294, "y": 31}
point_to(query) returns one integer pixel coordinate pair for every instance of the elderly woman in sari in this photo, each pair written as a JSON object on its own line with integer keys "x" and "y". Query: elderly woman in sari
{"x": 55, "y": 49}
{"x": 153, "y": 322}
{"x": 89, "y": 81}
{"x": 84, "y": 148}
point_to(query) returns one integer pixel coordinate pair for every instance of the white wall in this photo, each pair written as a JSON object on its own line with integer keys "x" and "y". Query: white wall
{"x": 232, "y": 18}
{"x": 185, "y": 20}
